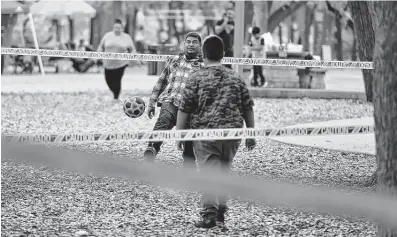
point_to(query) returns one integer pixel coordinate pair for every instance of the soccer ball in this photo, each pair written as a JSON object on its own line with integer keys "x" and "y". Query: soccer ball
{"x": 134, "y": 107}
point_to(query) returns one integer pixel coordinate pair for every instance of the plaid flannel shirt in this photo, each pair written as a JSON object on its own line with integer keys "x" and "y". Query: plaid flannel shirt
{"x": 172, "y": 80}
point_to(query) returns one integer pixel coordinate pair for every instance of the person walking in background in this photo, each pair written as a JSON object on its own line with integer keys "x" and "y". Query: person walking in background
{"x": 116, "y": 41}
{"x": 215, "y": 97}
{"x": 257, "y": 43}
{"x": 225, "y": 30}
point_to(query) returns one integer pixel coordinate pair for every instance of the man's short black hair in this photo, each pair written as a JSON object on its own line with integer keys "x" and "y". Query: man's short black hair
{"x": 118, "y": 21}
{"x": 256, "y": 30}
{"x": 213, "y": 48}
{"x": 194, "y": 35}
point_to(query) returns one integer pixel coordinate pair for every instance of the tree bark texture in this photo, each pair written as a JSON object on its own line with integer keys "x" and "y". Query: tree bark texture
{"x": 248, "y": 17}
{"x": 338, "y": 37}
{"x": 365, "y": 36}
{"x": 385, "y": 101}
{"x": 354, "y": 47}
{"x": 309, "y": 17}
{"x": 261, "y": 15}
{"x": 338, "y": 34}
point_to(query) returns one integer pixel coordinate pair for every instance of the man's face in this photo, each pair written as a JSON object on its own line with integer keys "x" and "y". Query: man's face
{"x": 192, "y": 45}
{"x": 230, "y": 15}
{"x": 256, "y": 36}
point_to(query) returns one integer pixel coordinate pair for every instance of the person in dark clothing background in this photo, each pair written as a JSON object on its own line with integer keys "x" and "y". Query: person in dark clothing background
{"x": 257, "y": 43}
{"x": 225, "y": 30}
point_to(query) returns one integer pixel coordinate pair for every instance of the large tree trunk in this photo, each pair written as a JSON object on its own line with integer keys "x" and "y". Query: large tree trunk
{"x": 309, "y": 17}
{"x": 261, "y": 14}
{"x": 385, "y": 101}
{"x": 248, "y": 17}
{"x": 338, "y": 37}
{"x": 365, "y": 35}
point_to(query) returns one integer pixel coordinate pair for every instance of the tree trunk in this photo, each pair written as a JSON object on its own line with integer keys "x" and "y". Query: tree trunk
{"x": 292, "y": 29}
{"x": 309, "y": 16}
{"x": 385, "y": 101}
{"x": 354, "y": 47}
{"x": 71, "y": 29}
{"x": 338, "y": 37}
{"x": 280, "y": 33}
{"x": 261, "y": 14}
{"x": 365, "y": 35}
{"x": 248, "y": 17}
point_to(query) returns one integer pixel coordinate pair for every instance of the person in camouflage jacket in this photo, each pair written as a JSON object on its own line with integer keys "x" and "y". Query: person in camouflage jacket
{"x": 215, "y": 97}
{"x": 167, "y": 94}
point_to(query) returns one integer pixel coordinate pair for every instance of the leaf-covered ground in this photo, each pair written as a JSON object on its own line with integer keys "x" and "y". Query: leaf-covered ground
{"x": 37, "y": 201}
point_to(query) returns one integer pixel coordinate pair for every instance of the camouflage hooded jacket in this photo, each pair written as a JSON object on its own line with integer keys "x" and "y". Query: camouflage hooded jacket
{"x": 216, "y": 97}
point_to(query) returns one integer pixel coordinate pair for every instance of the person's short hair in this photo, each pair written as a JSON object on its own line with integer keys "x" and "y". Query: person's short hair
{"x": 118, "y": 21}
{"x": 194, "y": 35}
{"x": 256, "y": 30}
{"x": 213, "y": 48}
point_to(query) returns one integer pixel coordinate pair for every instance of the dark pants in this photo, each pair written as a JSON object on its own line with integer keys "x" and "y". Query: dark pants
{"x": 113, "y": 80}
{"x": 228, "y": 53}
{"x": 216, "y": 155}
{"x": 258, "y": 71}
{"x": 166, "y": 121}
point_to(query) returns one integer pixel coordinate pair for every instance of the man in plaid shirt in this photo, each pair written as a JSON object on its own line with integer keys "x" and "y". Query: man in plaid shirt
{"x": 167, "y": 94}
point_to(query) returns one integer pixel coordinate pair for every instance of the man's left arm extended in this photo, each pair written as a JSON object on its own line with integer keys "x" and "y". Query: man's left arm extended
{"x": 162, "y": 82}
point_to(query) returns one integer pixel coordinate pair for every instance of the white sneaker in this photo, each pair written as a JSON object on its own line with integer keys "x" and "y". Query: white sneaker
{"x": 265, "y": 85}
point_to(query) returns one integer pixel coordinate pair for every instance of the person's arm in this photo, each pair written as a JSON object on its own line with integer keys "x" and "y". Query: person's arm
{"x": 249, "y": 118}
{"x": 248, "y": 113}
{"x": 188, "y": 102}
{"x": 220, "y": 26}
{"x": 131, "y": 48}
{"x": 247, "y": 106}
{"x": 250, "y": 48}
{"x": 101, "y": 46}
{"x": 162, "y": 82}
{"x": 263, "y": 48}
{"x": 181, "y": 120}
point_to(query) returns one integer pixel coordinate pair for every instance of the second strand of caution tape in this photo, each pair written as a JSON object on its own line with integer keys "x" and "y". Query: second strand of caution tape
{"x": 156, "y": 57}
{"x": 189, "y": 135}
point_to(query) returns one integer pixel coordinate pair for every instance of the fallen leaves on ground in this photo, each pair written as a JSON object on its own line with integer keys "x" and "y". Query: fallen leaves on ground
{"x": 37, "y": 201}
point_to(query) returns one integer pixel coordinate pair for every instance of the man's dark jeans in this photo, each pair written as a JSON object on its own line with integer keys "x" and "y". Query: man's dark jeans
{"x": 166, "y": 121}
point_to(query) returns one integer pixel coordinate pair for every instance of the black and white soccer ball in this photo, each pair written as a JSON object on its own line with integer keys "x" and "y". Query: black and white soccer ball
{"x": 134, "y": 107}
